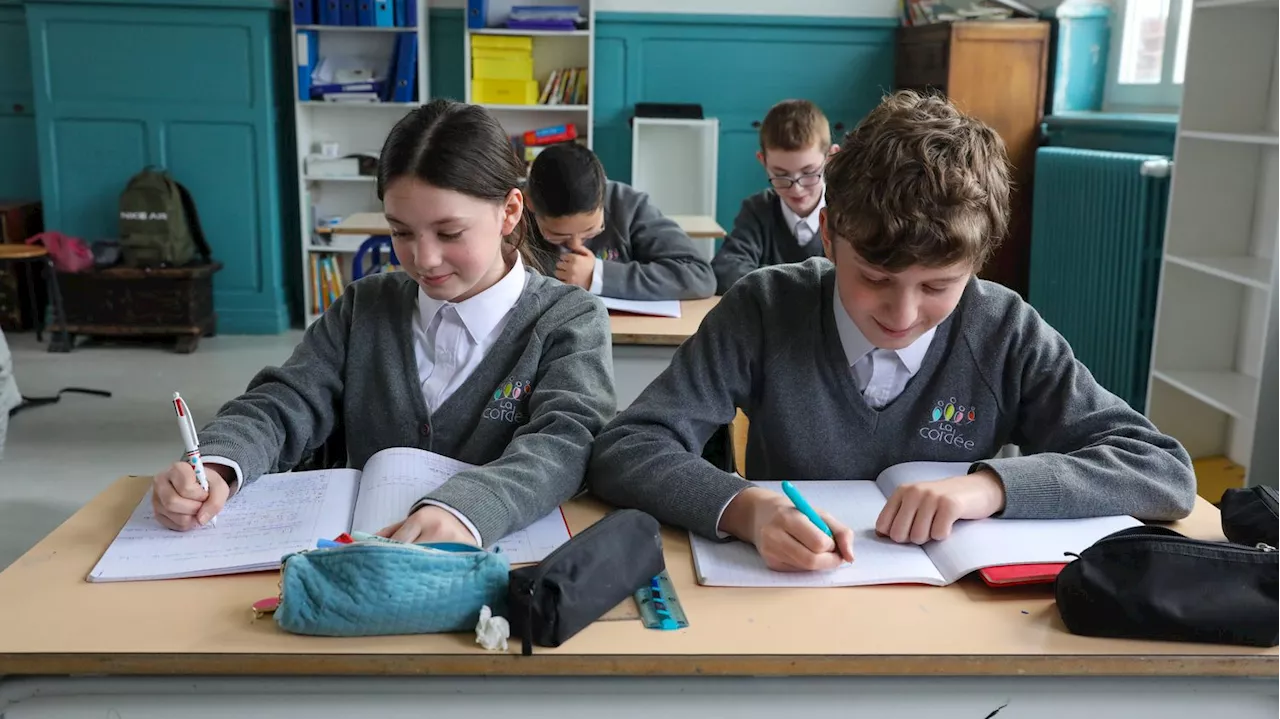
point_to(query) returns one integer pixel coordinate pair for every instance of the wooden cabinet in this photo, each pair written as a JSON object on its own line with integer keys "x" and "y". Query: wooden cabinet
{"x": 995, "y": 71}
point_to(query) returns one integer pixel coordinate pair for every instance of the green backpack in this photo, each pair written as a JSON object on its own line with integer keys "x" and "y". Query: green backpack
{"x": 158, "y": 223}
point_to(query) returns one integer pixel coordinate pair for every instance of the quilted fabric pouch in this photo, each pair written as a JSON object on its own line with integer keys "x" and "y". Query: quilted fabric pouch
{"x": 380, "y": 588}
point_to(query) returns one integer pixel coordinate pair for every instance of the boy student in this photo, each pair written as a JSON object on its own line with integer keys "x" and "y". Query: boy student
{"x": 421, "y": 358}
{"x": 890, "y": 351}
{"x": 780, "y": 224}
{"x": 611, "y": 241}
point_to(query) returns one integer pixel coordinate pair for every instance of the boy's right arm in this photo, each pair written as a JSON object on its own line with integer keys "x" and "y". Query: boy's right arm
{"x": 649, "y": 456}
{"x": 287, "y": 410}
{"x": 742, "y": 250}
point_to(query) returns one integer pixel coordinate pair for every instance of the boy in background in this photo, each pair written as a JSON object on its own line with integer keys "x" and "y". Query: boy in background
{"x": 780, "y": 224}
{"x": 611, "y": 241}
{"x": 890, "y": 351}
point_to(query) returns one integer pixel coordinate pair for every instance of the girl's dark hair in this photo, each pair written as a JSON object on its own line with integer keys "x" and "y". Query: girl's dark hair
{"x": 463, "y": 148}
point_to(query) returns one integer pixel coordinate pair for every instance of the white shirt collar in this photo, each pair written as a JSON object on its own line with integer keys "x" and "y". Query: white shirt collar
{"x": 481, "y": 313}
{"x": 856, "y": 345}
{"x": 811, "y": 220}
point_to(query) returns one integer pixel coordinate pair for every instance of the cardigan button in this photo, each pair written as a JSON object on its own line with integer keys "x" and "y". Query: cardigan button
{"x": 426, "y": 430}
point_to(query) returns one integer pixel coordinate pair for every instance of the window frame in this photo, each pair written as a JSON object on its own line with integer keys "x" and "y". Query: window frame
{"x": 1164, "y": 96}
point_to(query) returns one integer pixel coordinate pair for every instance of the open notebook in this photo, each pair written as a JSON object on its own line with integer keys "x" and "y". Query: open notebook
{"x": 282, "y": 513}
{"x": 973, "y": 545}
{"x": 656, "y": 308}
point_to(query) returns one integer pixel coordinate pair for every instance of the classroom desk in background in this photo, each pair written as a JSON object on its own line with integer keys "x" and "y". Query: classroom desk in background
{"x": 190, "y": 648}
{"x": 643, "y": 346}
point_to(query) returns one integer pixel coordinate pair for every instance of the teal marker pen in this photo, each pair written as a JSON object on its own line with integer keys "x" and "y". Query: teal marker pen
{"x": 801, "y": 504}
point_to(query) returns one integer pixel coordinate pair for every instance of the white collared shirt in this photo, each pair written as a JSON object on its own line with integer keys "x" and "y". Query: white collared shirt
{"x": 804, "y": 228}
{"x": 450, "y": 341}
{"x": 880, "y": 374}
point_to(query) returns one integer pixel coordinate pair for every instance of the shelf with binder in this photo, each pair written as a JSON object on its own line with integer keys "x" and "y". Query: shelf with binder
{"x": 358, "y": 14}
{"x": 531, "y": 77}
{"x": 393, "y": 60}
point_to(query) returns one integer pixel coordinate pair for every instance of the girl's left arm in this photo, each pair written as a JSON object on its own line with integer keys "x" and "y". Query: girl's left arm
{"x": 545, "y": 462}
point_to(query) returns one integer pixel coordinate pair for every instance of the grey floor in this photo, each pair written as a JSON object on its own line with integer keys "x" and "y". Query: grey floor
{"x": 59, "y": 456}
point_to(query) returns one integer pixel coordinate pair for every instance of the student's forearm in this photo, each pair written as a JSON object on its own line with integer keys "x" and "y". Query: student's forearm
{"x": 668, "y": 279}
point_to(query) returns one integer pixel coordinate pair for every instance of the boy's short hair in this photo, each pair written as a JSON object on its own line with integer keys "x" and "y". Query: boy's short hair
{"x": 794, "y": 125}
{"x": 918, "y": 182}
{"x": 566, "y": 179}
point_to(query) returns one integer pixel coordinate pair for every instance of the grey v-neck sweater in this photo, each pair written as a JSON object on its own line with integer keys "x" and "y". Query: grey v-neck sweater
{"x": 528, "y": 413}
{"x": 760, "y": 237}
{"x": 771, "y": 348}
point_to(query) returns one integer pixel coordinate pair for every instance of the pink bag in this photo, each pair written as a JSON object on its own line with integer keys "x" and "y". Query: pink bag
{"x": 70, "y": 254}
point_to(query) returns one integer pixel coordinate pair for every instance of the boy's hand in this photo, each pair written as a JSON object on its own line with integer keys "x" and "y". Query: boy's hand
{"x": 923, "y": 511}
{"x": 575, "y": 267}
{"x": 429, "y": 524}
{"x": 178, "y": 501}
{"x": 785, "y": 538}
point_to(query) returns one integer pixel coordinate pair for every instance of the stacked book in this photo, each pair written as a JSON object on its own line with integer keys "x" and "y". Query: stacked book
{"x": 567, "y": 86}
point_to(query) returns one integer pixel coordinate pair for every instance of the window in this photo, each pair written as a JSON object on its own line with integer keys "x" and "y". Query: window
{"x": 1148, "y": 54}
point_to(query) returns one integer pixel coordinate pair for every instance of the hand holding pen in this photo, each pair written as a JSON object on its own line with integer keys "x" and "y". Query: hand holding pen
{"x": 189, "y": 493}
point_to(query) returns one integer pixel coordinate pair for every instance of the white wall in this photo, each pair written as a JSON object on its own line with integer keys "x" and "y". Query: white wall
{"x": 833, "y": 8}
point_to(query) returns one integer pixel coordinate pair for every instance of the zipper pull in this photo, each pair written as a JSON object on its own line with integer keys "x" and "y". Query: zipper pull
{"x": 1265, "y": 547}
{"x": 526, "y": 637}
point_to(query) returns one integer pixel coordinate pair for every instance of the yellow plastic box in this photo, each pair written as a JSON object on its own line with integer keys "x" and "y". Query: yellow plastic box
{"x": 503, "y": 42}
{"x": 511, "y": 67}
{"x": 504, "y": 92}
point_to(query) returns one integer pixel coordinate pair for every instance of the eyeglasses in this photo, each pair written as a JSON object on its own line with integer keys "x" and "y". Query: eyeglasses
{"x": 809, "y": 179}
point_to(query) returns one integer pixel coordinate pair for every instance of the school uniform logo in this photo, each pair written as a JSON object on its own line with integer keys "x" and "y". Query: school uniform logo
{"x": 608, "y": 255}
{"x": 509, "y": 401}
{"x": 948, "y": 423}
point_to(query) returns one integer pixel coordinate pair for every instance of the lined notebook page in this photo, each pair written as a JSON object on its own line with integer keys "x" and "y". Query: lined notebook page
{"x": 394, "y": 479}
{"x": 275, "y": 515}
{"x": 856, "y": 504}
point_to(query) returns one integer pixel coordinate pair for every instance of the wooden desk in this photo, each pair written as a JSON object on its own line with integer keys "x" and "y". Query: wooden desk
{"x": 891, "y": 645}
{"x": 643, "y": 346}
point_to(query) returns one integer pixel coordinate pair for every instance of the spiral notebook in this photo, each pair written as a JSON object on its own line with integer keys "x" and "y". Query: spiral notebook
{"x": 283, "y": 513}
{"x": 972, "y": 546}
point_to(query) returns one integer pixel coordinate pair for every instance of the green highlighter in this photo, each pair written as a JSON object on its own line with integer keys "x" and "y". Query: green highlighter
{"x": 801, "y": 504}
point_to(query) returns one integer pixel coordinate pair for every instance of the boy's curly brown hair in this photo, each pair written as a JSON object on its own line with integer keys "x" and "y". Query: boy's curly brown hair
{"x": 918, "y": 182}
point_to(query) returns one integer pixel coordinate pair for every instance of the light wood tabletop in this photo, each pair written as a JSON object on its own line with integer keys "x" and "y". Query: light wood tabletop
{"x": 631, "y": 329}
{"x": 54, "y": 622}
{"x": 375, "y": 223}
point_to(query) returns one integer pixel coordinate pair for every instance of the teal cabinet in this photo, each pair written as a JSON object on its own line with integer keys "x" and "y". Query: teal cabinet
{"x": 19, "y": 164}
{"x": 189, "y": 86}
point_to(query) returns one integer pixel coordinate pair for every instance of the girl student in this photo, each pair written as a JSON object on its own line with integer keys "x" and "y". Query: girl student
{"x": 469, "y": 352}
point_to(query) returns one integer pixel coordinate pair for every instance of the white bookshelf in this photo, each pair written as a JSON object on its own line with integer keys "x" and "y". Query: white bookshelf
{"x": 356, "y": 127}
{"x": 552, "y": 50}
{"x": 1214, "y": 355}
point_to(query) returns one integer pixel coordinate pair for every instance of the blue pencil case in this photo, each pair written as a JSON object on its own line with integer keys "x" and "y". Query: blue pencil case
{"x": 375, "y": 588}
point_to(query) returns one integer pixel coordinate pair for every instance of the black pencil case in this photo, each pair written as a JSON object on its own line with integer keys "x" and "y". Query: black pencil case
{"x": 1249, "y": 516}
{"x": 1155, "y": 583}
{"x": 578, "y": 583}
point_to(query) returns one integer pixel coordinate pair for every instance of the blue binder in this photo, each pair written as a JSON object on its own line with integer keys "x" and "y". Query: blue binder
{"x": 308, "y": 52}
{"x": 477, "y": 14}
{"x": 411, "y": 12}
{"x": 330, "y": 12}
{"x": 402, "y": 20}
{"x": 349, "y": 15}
{"x": 384, "y": 14}
{"x": 304, "y": 12}
{"x": 405, "y": 79}
{"x": 364, "y": 12}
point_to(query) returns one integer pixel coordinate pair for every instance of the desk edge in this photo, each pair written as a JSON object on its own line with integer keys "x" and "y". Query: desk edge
{"x": 256, "y": 664}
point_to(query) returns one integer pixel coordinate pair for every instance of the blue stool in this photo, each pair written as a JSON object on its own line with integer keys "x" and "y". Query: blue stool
{"x": 373, "y": 248}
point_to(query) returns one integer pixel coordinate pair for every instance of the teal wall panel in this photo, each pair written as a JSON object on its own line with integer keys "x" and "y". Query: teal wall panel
{"x": 19, "y": 161}
{"x": 736, "y": 67}
{"x": 1144, "y": 134}
{"x": 445, "y": 45}
{"x": 194, "y": 89}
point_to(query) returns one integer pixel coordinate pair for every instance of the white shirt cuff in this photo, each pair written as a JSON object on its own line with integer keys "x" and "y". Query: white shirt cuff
{"x": 721, "y": 534}
{"x": 475, "y": 533}
{"x": 597, "y": 277}
{"x": 235, "y": 467}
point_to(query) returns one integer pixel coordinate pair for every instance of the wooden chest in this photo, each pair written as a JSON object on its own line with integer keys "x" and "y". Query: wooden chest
{"x": 125, "y": 301}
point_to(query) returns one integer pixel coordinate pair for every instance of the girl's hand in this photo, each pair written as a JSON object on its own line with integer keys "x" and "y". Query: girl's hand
{"x": 178, "y": 501}
{"x": 429, "y": 524}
